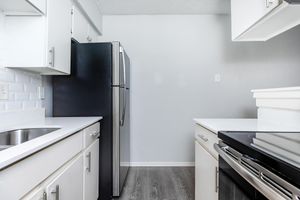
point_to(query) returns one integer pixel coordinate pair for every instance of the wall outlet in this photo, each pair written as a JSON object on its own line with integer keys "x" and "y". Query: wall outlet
{"x": 217, "y": 78}
{"x": 4, "y": 92}
{"x": 41, "y": 92}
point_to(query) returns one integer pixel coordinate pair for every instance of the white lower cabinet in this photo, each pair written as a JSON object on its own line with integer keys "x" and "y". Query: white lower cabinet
{"x": 91, "y": 171}
{"x": 206, "y": 165}
{"x": 67, "y": 170}
{"x": 206, "y": 173}
{"x": 68, "y": 183}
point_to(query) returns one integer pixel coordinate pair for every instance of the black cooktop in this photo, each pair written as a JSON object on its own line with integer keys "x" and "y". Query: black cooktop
{"x": 279, "y": 152}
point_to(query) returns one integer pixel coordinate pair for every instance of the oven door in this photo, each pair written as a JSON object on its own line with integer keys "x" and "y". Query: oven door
{"x": 241, "y": 178}
{"x": 234, "y": 187}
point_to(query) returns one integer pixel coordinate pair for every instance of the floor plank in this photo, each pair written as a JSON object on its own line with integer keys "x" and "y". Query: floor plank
{"x": 159, "y": 183}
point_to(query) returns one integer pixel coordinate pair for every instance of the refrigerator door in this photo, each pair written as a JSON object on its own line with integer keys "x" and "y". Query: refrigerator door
{"x": 121, "y": 70}
{"x": 121, "y": 122}
{"x": 125, "y": 69}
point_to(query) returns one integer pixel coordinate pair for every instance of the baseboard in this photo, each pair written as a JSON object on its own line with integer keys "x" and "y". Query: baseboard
{"x": 162, "y": 164}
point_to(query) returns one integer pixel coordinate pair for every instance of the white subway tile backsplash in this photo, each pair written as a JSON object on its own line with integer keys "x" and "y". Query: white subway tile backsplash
{"x": 22, "y": 96}
{"x": 29, "y": 104}
{"x": 33, "y": 96}
{"x": 2, "y": 106}
{"x": 22, "y": 77}
{"x": 16, "y": 87}
{"x": 17, "y": 105}
{"x": 23, "y": 90}
{"x": 31, "y": 87}
{"x": 6, "y": 76}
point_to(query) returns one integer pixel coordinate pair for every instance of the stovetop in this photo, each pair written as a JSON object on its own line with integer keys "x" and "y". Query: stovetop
{"x": 279, "y": 152}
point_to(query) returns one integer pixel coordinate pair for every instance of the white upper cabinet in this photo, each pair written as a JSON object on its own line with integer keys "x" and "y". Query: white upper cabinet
{"x": 80, "y": 26}
{"x": 260, "y": 20}
{"x": 40, "y": 44}
{"x": 59, "y": 23}
{"x": 23, "y": 7}
{"x": 91, "y": 10}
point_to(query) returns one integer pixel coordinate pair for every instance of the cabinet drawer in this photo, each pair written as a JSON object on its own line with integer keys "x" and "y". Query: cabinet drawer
{"x": 22, "y": 177}
{"x": 207, "y": 139}
{"x": 91, "y": 134}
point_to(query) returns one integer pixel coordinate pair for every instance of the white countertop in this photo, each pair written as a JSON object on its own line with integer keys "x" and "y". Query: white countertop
{"x": 67, "y": 125}
{"x": 216, "y": 125}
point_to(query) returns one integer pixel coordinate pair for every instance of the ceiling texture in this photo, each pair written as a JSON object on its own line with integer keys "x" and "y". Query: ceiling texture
{"x": 164, "y": 7}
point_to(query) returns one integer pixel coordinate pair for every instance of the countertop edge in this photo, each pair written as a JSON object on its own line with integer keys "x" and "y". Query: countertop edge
{"x": 16, "y": 158}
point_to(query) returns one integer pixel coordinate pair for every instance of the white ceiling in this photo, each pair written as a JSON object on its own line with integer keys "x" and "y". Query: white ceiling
{"x": 155, "y": 7}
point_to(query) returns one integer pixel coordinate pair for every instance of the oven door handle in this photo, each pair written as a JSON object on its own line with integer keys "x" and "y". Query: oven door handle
{"x": 257, "y": 182}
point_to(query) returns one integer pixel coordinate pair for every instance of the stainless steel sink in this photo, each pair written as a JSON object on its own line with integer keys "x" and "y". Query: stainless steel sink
{"x": 19, "y": 136}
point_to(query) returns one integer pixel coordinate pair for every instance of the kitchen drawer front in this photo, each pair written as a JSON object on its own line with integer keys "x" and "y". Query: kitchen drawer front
{"x": 91, "y": 134}
{"x": 207, "y": 139}
{"x": 20, "y": 178}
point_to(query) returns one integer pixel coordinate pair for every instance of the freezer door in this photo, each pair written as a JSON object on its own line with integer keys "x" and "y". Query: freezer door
{"x": 124, "y": 69}
{"x": 121, "y": 66}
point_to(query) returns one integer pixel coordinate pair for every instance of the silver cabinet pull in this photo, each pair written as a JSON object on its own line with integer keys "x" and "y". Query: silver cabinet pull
{"x": 52, "y": 56}
{"x": 89, "y": 39}
{"x": 202, "y": 137}
{"x": 217, "y": 179}
{"x": 44, "y": 196}
{"x": 56, "y": 192}
{"x": 269, "y": 3}
{"x": 89, "y": 157}
{"x": 94, "y": 134}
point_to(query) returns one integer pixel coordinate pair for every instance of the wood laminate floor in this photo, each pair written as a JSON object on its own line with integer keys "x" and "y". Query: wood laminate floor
{"x": 159, "y": 183}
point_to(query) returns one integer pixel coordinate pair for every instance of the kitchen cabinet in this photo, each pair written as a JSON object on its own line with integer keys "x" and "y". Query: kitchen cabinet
{"x": 260, "y": 20}
{"x": 23, "y": 7}
{"x": 91, "y": 171}
{"x": 92, "y": 12}
{"x": 206, "y": 164}
{"x": 68, "y": 168}
{"x": 68, "y": 184}
{"x": 40, "y": 43}
{"x": 206, "y": 172}
{"x": 82, "y": 30}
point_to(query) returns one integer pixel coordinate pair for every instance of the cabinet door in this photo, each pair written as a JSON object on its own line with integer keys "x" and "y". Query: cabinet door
{"x": 69, "y": 183}
{"x": 246, "y": 13}
{"x": 59, "y": 23}
{"x": 92, "y": 34}
{"x": 92, "y": 11}
{"x": 91, "y": 171}
{"x": 206, "y": 175}
{"x": 37, "y": 194}
{"x": 80, "y": 26}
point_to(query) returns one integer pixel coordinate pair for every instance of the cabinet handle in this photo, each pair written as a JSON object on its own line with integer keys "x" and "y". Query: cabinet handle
{"x": 44, "y": 196}
{"x": 56, "y": 192}
{"x": 94, "y": 134}
{"x": 89, "y": 156}
{"x": 269, "y": 3}
{"x": 89, "y": 38}
{"x": 203, "y": 138}
{"x": 216, "y": 179}
{"x": 52, "y": 56}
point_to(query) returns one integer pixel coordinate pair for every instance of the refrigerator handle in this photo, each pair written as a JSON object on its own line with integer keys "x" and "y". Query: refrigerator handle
{"x": 124, "y": 66}
{"x": 124, "y": 85}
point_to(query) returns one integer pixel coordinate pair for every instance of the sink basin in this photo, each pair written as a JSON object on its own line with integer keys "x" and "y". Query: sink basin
{"x": 19, "y": 136}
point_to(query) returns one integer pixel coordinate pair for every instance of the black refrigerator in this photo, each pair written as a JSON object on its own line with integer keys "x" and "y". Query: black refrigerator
{"x": 99, "y": 85}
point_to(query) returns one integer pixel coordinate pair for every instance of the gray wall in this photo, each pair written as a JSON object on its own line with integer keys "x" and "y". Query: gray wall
{"x": 174, "y": 60}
